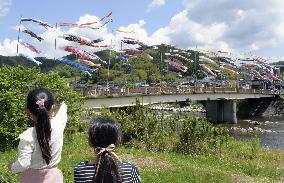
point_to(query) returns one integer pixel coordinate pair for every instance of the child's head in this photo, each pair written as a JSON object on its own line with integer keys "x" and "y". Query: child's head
{"x": 39, "y": 100}
{"x": 103, "y": 136}
{"x": 103, "y": 132}
{"x": 39, "y": 104}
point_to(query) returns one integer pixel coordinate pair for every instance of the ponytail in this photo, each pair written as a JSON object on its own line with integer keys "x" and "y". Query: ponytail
{"x": 104, "y": 136}
{"x": 107, "y": 169}
{"x": 39, "y": 103}
{"x": 43, "y": 131}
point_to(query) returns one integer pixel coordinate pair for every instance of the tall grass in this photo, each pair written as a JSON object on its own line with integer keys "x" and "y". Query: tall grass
{"x": 173, "y": 149}
{"x": 236, "y": 164}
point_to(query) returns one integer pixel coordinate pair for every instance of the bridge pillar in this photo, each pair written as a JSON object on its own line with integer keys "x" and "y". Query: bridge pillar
{"x": 230, "y": 111}
{"x": 221, "y": 111}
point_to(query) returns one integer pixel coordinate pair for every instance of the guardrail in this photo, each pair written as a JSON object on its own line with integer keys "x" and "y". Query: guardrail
{"x": 169, "y": 90}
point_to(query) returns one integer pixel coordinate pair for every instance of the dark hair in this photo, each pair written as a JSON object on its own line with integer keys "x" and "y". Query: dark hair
{"x": 42, "y": 125}
{"x": 102, "y": 133}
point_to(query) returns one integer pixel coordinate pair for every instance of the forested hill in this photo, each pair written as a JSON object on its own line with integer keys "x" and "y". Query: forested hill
{"x": 151, "y": 65}
{"x": 46, "y": 66}
{"x": 140, "y": 66}
{"x": 278, "y": 63}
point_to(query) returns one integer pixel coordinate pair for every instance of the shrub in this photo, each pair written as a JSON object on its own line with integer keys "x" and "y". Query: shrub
{"x": 143, "y": 128}
{"x": 198, "y": 136}
{"x": 15, "y": 83}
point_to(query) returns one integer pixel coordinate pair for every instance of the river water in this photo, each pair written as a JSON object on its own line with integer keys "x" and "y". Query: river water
{"x": 270, "y": 130}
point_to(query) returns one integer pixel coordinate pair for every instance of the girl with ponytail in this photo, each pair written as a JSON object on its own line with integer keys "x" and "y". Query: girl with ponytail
{"x": 104, "y": 136}
{"x": 40, "y": 146}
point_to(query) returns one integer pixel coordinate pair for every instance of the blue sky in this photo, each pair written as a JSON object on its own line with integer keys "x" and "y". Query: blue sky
{"x": 254, "y": 26}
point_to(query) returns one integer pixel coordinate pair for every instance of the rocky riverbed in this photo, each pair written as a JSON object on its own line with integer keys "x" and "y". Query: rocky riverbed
{"x": 176, "y": 109}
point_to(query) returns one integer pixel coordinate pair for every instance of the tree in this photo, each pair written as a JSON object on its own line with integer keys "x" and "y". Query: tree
{"x": 170, "y": 77}
{"x": 67, "y": 71}
{"x": 142, "y": 74}
{"x": 154, "y": 74}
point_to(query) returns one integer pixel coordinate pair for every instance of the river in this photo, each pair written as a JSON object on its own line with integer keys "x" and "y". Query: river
{"x": 269, "y": 130}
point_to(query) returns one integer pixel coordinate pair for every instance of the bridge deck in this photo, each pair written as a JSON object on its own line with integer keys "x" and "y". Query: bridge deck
{"x": 172, "y": 90}
{"x": 127, "y": 97}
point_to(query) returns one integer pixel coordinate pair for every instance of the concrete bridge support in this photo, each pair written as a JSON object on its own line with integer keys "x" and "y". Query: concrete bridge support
{"x": 260, "y": 107}
{"x": 221, "y": 111}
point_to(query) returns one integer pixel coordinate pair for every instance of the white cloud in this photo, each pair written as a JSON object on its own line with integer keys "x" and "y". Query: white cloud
{"x": 155, "y": 3}
{"x": 8, "y": 47}
{"x": 5, "y": 7}
{"x": 185, "y": 33}
{"x": 243, "y": 25}
{"x": 225, "y": 25}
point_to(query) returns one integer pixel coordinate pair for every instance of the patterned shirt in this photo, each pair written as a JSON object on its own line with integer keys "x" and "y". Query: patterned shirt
{"x": 84, "y": 172}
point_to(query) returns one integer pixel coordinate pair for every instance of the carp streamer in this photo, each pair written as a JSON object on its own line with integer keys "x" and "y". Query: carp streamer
{"x": 84, "y": 24}
{"x": 44, "y": 24}
{"x": 30, "y": 58}
{"x": 31, "y": 47}
{"x": 83, "y": 54}
{"x": 32, "y": 34}
{"x": 83, "y": 41}
{"x": 77, "y": 66}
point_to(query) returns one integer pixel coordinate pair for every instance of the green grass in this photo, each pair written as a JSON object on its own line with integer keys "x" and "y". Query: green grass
{"x": 238, "y": 162}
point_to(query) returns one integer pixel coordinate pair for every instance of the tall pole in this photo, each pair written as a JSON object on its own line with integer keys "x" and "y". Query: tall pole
{"x": 19, "y": 35}
{"x": 167, "y": 59}
{"x": 18, "y": 40}
{"x": 195, "y": 70}
{"x": 55, "y": 43}
{"x": 108, "y": 89}
{"x": 161, "y": 57}
{"x": 237, "y": 83}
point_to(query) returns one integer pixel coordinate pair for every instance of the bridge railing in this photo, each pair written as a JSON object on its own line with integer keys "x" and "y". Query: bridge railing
{"x": 171, "y": 90}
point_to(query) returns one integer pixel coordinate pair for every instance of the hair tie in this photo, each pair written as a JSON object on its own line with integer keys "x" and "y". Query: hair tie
{"x": 40, "y": 103}
{"x": 109, "y": 149}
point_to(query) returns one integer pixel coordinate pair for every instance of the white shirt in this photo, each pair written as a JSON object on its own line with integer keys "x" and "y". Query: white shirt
{"x": 30, "y": 155}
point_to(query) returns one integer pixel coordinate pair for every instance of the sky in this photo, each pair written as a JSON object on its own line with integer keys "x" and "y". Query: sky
{"x": 254, "y": 27}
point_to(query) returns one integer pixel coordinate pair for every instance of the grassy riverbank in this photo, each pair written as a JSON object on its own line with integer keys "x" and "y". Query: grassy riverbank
{"x": 239, "y": 162}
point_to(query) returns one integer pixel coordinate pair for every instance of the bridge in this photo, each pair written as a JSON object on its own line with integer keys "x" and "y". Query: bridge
{"x": 220, "y": 103}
